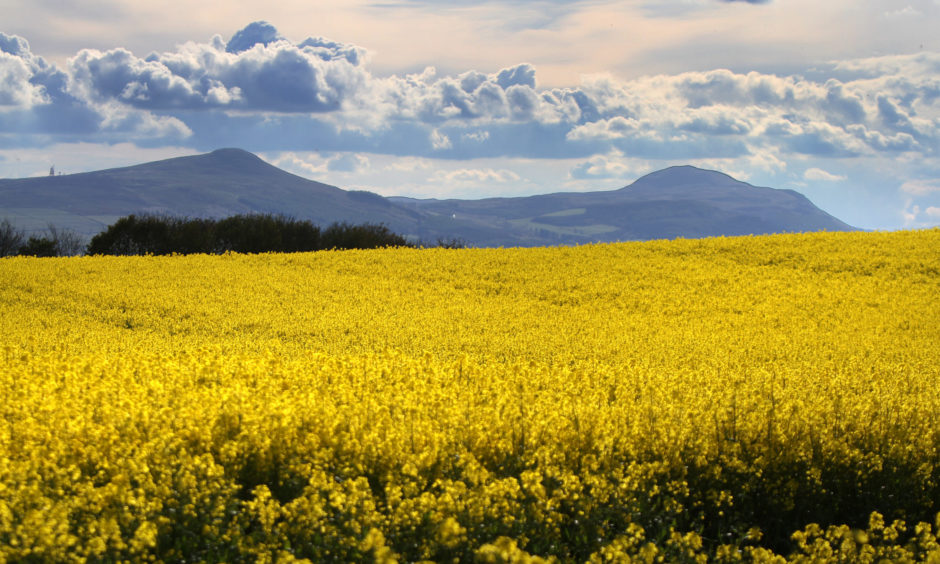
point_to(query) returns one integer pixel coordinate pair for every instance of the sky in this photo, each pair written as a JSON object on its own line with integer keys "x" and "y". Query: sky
{"x": 838, "y": 100}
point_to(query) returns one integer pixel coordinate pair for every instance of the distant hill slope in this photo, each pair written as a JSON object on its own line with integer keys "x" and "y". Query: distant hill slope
{"x": 680, "y": 201}
{"x": 218, "y": 184}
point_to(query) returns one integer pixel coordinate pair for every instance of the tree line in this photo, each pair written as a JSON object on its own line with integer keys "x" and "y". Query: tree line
{"x": 163, "y": 235}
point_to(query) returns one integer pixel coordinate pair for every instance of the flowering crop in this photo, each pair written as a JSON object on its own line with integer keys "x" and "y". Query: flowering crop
{"x": 765, "y": 398}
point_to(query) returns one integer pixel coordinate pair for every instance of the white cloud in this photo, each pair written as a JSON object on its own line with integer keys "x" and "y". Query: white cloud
{"x": 822, "y": 175}
{"x": 905, "y": 12}
{"x": 440, "y": 141}
{"x": 914, "y": 216}
{"x": 476, "y": 136}
{"x": 15, "y": 86}
{"x": 600, "y": 166}
{"x": 260, "y": 72}
{"x": 921, "y": 187}
{"x": 348, "y": 162}
{"x": 304, "y": 165}
{"x": 410, "y": 164}
{"x": 476, "y": 176}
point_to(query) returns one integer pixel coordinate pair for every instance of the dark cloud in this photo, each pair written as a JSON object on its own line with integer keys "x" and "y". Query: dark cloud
{"x": 14, "y": 45}
{"x": 892, "y": 116}
{"x": 522, "y": 75}
{"x": 256, "y": 33}
{"x": 845, "y": 107}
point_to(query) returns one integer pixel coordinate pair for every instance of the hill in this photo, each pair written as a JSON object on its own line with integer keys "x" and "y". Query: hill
{"x": 681, "y": 201}
{"x": 217, "y": 184}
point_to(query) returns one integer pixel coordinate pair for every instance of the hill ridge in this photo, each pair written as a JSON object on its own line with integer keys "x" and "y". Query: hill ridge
{"x": 679, "y": 201}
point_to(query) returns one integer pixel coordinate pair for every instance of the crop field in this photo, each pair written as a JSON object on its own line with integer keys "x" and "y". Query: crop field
{"x": 762, "y": 399}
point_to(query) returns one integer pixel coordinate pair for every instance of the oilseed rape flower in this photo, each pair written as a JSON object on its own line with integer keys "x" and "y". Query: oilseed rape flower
{"x": 748, "y": 399}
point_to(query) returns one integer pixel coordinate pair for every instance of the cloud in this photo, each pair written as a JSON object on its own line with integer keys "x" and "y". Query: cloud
{"x": 876, "y": 106}
{"x": 255, "y": 70}
{"x": 822, "y": 175}
{"x": 921, "y": 187}
{"x": 905, "y": 12}
{"x": 914, "y": 216}
{"x": 348, "y": 162}
{"x": 255, "y": 33}
{"x": 37, "y": 98}
{"x": 600, "y": 166}
{"x": 439, "y": 141}
{"x": 476, "y": 136}
{"x": 26, "y": 80}
{"x": 475, "y": 176}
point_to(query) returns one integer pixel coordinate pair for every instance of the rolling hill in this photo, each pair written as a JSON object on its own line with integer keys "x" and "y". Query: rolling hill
{"x": 681, "y": 201}
{"x": 217, "y": 184}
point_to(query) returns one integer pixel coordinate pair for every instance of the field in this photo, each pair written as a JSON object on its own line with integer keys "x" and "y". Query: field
{"x": 767, "y": 398}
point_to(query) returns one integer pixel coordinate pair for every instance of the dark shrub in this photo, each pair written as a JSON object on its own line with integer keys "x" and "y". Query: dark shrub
{"x": 39, "y": 247}
{"x": 365, "y": 236}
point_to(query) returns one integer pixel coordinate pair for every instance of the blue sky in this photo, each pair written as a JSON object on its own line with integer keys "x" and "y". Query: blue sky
{"x": 838, "y": 100}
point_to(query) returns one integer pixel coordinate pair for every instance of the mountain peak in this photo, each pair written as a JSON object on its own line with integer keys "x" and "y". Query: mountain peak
{"x": 233, "y": 152}
{"x": 685, "y": 175}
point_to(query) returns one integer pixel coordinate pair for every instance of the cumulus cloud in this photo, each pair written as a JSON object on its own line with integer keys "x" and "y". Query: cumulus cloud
{"x": 26, "y": 80}
{"x": 253, "y": 34}
{"x": 272, "y": 93}
{"x": 885, "y": 105}
{"x": 117, "y": 119}
{"x": 256, "y": 70}
{"x": 822, "y": 175}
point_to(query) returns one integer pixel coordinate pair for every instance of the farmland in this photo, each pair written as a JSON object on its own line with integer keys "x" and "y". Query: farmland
{"x": 752, "y": 398}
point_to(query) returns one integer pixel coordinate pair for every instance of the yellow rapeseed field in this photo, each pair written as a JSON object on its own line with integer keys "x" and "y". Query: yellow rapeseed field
{"x": 761, "y": 399}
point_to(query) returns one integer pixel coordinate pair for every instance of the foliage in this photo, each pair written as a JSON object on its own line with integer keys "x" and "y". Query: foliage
{"x": 38, "y": 247}
{"x": 58, "y": 243}
{"x": 252, "y": 233}
{"x": 764, "y": 399}
{"x": 367, "y": 236}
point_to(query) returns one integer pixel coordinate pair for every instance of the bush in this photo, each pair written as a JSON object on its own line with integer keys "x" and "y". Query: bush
{"x": 251, "y": 233}
{"x": 39, "y": 247}
{"x": 365, "y": 236}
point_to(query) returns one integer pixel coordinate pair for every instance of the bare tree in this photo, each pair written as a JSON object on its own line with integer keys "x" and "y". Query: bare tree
{"x": 11, "y": 238}
{"x": 67, "y": 242}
